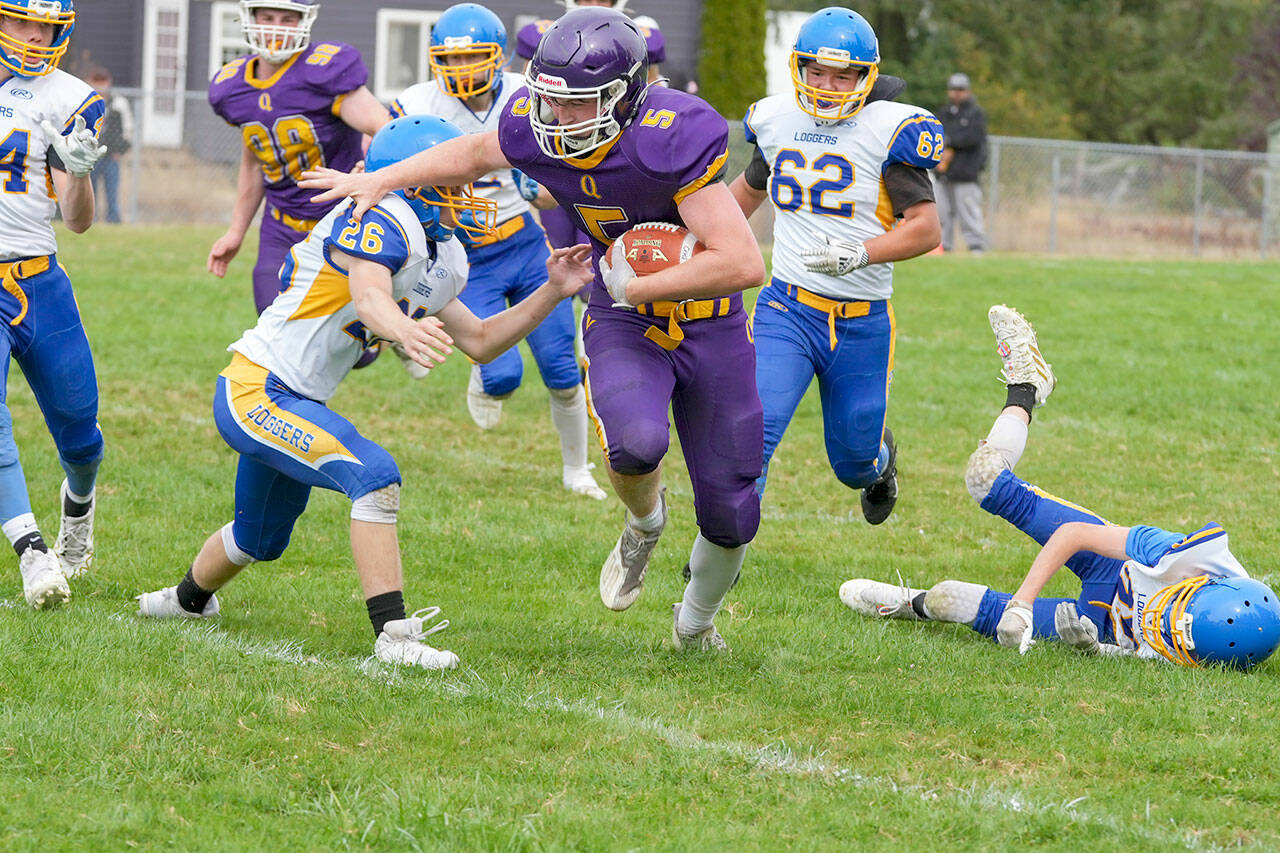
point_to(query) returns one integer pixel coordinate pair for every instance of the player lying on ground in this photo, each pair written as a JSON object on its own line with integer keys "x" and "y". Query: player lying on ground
{"x": 396, "y": 275}
{"x": 1145, "y": 591}
{"x": 618, "y": 153}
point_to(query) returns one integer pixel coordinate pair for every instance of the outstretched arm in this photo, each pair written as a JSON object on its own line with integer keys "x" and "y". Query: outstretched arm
{"x": 484, "y": 340}
{"x": 452, "y": 163}
{"x": 363, "y": 112}
{"x": 249, "y": 194}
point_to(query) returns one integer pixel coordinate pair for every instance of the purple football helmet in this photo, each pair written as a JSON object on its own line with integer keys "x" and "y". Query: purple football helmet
{"x": 591, "y": 55}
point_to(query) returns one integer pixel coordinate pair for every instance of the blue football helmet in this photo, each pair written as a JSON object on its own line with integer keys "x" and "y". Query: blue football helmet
{"x": 23, "y": 59}
{"x": 475, "y": 34}
{"x": 591, "y": 55}
{"x": 835, "y": 38}
{"x": 1213, "y": 620}
{"x": 400, "y": 139}
{"x": 276, "y": 43}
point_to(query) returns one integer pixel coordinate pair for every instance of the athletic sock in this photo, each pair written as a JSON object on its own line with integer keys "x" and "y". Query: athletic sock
{"x": 384, "y": 608}
{"x": 31, "y": 540}
{"x": 20, "y": 529}
{"x": 1008, "y": 437}
{"x": 651, "y": 522}
{"x": 75, "y": 506}
{"x": 712, "y": 571}
{"x": 569, "y": 416}
{"x": 1022, "y": 395}
{"x": 191, "y": 596}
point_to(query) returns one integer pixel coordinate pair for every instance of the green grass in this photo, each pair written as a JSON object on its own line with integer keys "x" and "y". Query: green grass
{"x": 570, "y": 727}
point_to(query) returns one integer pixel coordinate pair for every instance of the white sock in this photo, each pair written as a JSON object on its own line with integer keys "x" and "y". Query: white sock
{"x": 79, "y": 499}
{"x": 954, "y": 601}
{"x": 1008, "y": 437}
{"x": 569, "y": 414}
{"x": 19, "y": 526}
{"x": 712, "y": 570}
{"x": 651, "y": 522}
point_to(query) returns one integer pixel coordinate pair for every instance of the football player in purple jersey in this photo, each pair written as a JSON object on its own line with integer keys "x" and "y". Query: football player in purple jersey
{"x": 617, "y": 152}
{"x": 298, "y": 106}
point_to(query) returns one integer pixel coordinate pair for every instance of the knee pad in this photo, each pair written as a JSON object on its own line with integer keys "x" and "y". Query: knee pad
{"x": 81, "y": 445}
{"x": 855, "y": 474}
{"x": 501, "y": 377}
{"x": 640, "y": 448}
{"x": 735, "y": 522}
{"x": 379, "y": 506}
{"x": 985, "y": 465}
{"x": 235, "y": 553}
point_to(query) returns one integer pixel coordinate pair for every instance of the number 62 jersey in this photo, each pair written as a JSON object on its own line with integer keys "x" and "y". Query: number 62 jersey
{"x": 827, "y": 179}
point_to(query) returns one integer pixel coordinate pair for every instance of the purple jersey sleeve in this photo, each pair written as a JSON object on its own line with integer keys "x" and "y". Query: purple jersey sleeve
{"x": 334, "y": 69}
{"x": 678, "y": 137}
{"x": 223, "y": 85}
{"x": 917, "y": 142}
{"x": 529, "y": 36}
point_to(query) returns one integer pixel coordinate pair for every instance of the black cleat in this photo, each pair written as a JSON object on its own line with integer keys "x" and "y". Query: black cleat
{"x": 879, "y": 497}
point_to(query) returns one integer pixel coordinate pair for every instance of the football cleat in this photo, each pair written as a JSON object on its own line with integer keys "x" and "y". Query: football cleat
{"x": 417, "y": 371}
{"x": 580, "y": 482}
{"x": 622, "y": 575}
{"x": 879, "y": 498}
{"x": 706, "y": 640}
{"x": 485, "y": 410}
{"x": 883, "y": 600}
{"x": 74, "y": 545}
{"x": 163, "y": 604}
{"x": 401, "y": 642}
{"x": 43, "y": 583}
{"x": 1020, "y": 352}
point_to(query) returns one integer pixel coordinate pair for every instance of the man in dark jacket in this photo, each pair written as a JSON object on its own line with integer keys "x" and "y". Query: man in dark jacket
{"x": 959, "y": 195}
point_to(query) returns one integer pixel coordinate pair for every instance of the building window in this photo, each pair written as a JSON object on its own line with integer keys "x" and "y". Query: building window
{"x": 226, "y": 40}
{"x": 401, "y": 50}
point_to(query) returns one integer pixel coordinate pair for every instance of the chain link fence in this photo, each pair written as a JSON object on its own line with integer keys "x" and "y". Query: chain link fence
{"x": 1041, "y": 196}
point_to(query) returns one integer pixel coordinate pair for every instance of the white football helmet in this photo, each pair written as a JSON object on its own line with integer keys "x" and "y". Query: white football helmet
{"x": 276, "y": 43}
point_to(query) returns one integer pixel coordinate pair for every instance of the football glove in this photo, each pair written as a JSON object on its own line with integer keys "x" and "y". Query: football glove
{"x": 837, "y": 257}
{"x": 616, "y": 276}
{"x": 1074, "y": 631}
{"x": 1014, "y": 629}
{"x": 525, "y": 185}
{"x": 79, "y": 150}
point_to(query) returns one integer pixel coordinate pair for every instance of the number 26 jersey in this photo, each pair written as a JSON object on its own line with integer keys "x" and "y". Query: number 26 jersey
{"x": 827, "y": 180}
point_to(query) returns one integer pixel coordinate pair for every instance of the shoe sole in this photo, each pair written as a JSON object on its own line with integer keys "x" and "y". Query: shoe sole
{"x": 55, "y": 596}
{"x": 612, "y": 577}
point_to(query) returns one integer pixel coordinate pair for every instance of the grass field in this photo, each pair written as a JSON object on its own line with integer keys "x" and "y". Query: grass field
{"x": 570, "y": 727}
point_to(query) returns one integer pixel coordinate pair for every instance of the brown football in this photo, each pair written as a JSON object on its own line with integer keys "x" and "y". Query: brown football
{"x": 654, "y": 246}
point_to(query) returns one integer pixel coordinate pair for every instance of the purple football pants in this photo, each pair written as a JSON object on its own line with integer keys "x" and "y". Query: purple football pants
{"x": 275, "y": 239}
{"x": 708, "y": 381}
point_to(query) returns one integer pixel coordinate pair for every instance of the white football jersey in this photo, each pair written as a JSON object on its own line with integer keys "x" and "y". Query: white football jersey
{"x": 310, "y": 335}
{"x": 1204, "y": 552}
{"x": 429, "y": 99}
{"x": 826, "y": 180}
{"x": 28, "y": 200}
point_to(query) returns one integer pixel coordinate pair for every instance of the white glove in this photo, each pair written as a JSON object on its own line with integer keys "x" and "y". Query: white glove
{"x": 79, "y": 150}
{"x": 616, "y": 276}
{"x": 837, "y": 257}
{"x": 1074, "y": 631}
{"x": 1014, "y": 630}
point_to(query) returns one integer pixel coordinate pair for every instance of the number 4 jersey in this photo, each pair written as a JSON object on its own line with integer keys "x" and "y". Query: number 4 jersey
{"x": 27, "y": 202}
{"x": 290, "y": 120}
{"x": 828, "y": 179}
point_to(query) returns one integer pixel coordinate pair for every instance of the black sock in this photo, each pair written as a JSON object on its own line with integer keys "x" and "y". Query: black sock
{"x": 1022, "y": 395}
{"x": 917, "y": 604}
{"x": 74, "y": 509}
{"x": 31, "y": 540}
{"x": 191, "y": 597}
{"x": 385, "y": 608}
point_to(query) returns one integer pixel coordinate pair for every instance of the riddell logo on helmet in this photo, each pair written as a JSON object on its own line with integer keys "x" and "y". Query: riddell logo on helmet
{"x": 554, "y": 82}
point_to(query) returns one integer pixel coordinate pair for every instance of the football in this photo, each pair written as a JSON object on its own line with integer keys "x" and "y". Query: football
{"x": 654, "y": 246}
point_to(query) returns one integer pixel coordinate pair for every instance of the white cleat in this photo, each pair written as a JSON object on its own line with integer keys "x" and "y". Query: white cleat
{"x": 881, "y": 600}
{"x": 622, "y": 575}
{"x": 1020, "y": 352}
{"x": 163, "y": 604}
{"x": 485, "y": 410}
{"x": 417, "y": 371}
{"x": 580, "y": 482}
{"x": 401, "y": 642}
{"x": 706, "y": 640}
{"x": 43, "y": 583}
{"x": 74, "y": 545}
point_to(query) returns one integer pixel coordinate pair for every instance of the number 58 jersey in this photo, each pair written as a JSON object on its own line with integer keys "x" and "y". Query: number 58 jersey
{"x": 827, "y": 180}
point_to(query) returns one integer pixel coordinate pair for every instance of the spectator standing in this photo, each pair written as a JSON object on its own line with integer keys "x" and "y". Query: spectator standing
{"x": 116, "y": 135}
{"x": 959, "y": 196}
